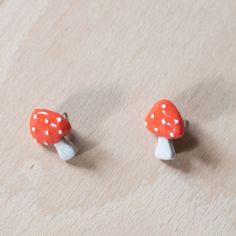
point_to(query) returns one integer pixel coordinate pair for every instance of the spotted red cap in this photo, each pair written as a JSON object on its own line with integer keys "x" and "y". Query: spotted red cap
{"x": 48, "y": 127}
{"x": 165, "y": 120}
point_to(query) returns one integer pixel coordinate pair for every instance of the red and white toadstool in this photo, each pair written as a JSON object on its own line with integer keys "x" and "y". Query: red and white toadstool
{"x": 49, "y": 127}
{"x": 165, "y": 121}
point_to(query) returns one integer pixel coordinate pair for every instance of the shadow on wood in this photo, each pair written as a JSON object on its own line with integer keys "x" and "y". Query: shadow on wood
{"x": 191, "y": 149}
{"x": 89, "y": 109}
{"x": 86, "y": 157}
{"x": 213, "y": 98}
{"x": 186, "y": 143}
{"x": 82, "y": 142}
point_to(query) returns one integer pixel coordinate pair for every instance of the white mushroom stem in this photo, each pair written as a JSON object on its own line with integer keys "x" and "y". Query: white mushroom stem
{"x": 65, "y": 149}
{"x": 164, "y": 149}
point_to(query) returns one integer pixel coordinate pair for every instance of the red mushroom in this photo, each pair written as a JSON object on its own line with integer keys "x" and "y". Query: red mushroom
{"x": 48, "y": 127}
{"x": 165, "y": 121}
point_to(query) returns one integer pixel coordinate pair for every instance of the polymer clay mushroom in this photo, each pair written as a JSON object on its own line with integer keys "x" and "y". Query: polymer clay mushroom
{"x": 49, "y": 128}
{"x": 165, "y": 121}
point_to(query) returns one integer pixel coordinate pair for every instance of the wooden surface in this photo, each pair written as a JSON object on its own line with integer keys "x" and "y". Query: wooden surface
{"x": 105, "y": 62}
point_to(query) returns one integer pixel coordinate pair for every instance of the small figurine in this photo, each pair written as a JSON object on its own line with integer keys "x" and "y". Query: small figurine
{"x": 48, "y": 127}
{"x": 165, "y": 121}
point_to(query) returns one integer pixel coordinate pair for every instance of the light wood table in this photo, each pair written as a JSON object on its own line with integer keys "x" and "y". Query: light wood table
{"x": 104, "y": 63}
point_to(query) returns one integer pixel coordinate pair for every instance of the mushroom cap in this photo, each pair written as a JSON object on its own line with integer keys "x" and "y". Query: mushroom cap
{"x": 165, "y": 120}
{"x": 48, "y": 127}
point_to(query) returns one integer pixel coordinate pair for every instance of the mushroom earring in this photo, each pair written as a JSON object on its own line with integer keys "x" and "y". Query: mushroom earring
{"x": 49, "y": 128}
{"x": 165, "y": 121}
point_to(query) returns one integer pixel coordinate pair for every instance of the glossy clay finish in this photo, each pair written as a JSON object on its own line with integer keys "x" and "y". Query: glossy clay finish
{"x": 164, "y": 120}
{"x": 48, "y": 127}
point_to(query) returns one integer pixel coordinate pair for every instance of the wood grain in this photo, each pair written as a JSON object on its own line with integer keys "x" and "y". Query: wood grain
{"x": 104, "y": 63}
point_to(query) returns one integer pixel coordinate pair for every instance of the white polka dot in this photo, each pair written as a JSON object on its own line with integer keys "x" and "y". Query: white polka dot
{"x": 172, "y": 134}
{"x": 35, "y": 140}
{"x": 59, "y": 119}
{"x": 176, "y": 121}
{"x": 47, "y": 132}
{"x": 152, "y": 116}
{"x": 46, "y": 121}
{"x": 163, "y": 106}
{"x": 53, "y": 125}
{"x": 33, "y": 129}
{"x": 168, "y": 123}
{"x": 145, "y": 123}
{"x": 163, "y": 121}
{"x": 156, "y": 129}
{"x": 45, "y": 143}
{"x": 59, "y": 131}
{"x": 35, "y": 116}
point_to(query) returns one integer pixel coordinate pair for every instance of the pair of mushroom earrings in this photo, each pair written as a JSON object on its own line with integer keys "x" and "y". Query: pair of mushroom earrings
{"x": 163, "y": 120}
